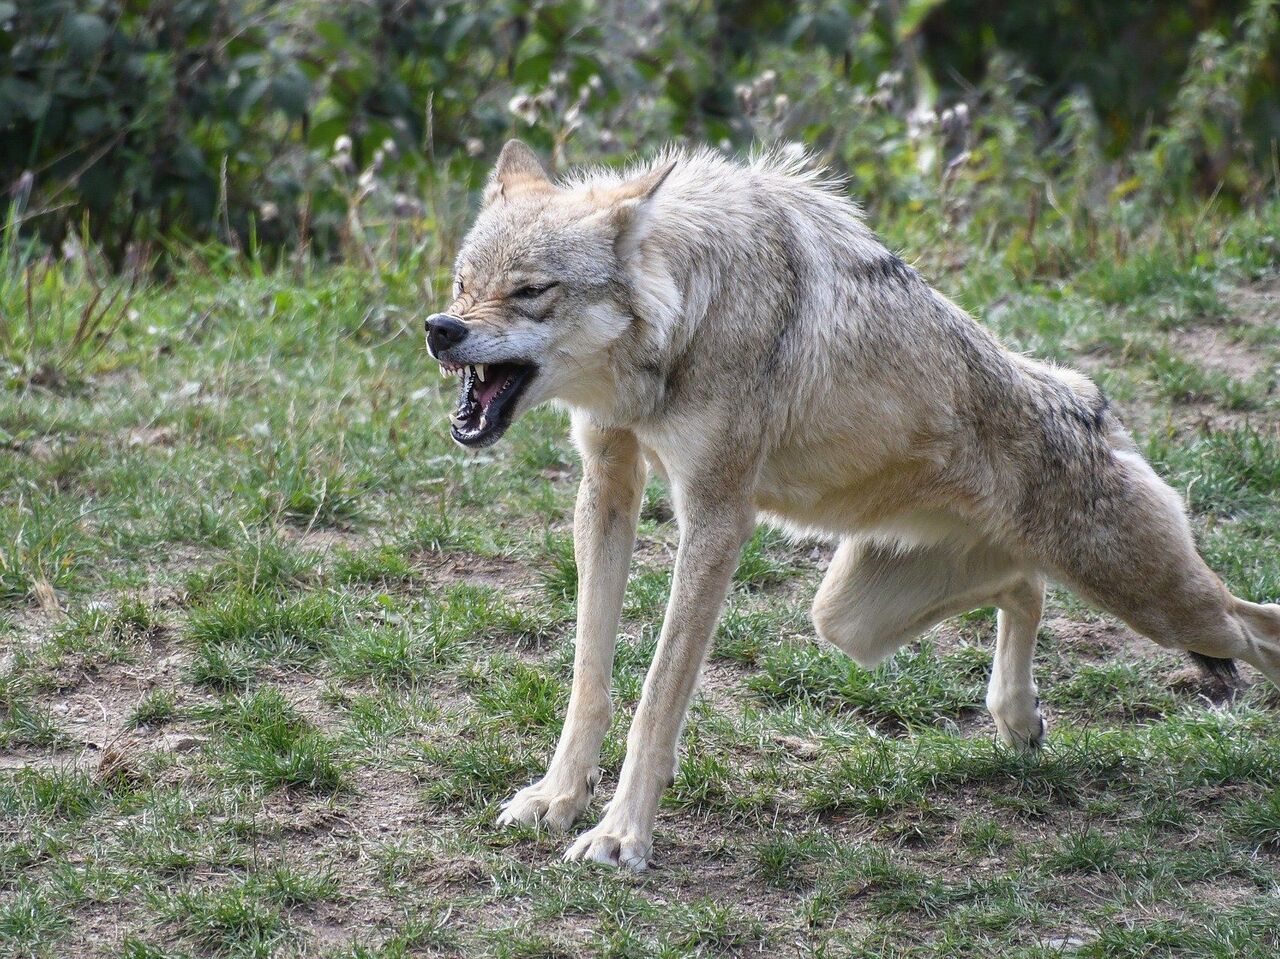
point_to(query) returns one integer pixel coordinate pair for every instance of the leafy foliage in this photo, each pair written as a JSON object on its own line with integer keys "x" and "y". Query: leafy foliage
{"x": 271, "y": 125}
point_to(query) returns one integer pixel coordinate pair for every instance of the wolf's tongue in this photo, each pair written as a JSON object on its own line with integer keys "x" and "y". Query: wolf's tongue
{"x": 495, "y": 380}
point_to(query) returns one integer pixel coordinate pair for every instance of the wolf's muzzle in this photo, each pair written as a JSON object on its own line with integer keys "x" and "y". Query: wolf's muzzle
{"x": 444, "y": 332}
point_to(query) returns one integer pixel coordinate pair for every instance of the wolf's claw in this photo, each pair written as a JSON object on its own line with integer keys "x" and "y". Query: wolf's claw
{"x": 603, "y": 845}
{"x": 547, "y": 804}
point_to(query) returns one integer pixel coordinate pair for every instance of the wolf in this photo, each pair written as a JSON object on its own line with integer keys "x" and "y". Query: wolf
{"x": 737, "y": 328}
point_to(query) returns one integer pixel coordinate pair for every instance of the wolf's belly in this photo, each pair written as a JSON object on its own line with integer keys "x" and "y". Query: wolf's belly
{"x": 902, "y": 502}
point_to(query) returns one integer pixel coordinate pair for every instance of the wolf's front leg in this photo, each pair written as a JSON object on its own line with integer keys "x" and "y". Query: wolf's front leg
{"x": 711, "y": 537}
{"x": 604, "y": 532}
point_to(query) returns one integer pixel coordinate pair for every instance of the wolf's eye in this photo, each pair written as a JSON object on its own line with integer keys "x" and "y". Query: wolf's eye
{"x": 532, "y": 292}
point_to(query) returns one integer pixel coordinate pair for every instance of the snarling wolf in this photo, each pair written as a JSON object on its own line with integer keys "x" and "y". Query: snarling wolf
{"x": 739, "y": 329}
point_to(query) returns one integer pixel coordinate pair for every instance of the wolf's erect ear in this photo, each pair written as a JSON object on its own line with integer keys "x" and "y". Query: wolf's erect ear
{"x": 626, "y": 207}
{"x": 517, "y": 169}
{"x": 643, "y": 187}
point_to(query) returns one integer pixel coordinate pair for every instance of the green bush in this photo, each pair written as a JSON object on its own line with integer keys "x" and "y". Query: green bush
{"x": 332, "y": 126}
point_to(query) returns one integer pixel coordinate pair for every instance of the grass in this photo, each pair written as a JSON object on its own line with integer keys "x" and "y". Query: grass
{"x": 263, "y": 740}
{"x": 918, "y": 687}
{"x": 40, "y": 547}
{"x": 322, "y": 645}
{"x": 156, "y": 708}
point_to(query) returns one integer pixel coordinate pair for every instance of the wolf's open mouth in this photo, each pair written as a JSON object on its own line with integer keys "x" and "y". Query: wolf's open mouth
{"x": 487, "y": 399}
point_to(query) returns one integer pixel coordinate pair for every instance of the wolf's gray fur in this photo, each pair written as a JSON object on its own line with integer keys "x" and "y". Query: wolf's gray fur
{"x": 739, "y": 329}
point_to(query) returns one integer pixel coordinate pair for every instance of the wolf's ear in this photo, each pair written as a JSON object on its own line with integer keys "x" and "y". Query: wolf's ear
{"x": 643, "y": 187}
{"x": 517, "y": 169}
{"x": 627, "y": 205}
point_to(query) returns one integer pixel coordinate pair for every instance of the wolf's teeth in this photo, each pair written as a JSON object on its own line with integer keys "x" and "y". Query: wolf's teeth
{"x": 480, "y": 372}
{"x": 484, "y": 421}
{"x": 457, "y": 420}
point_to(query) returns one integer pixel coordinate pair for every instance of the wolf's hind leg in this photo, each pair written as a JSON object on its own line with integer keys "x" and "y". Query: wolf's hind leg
{"x": 1205, "y": 619}
{"x": 1012, "y": 696}
{"x": 877, "y": 596}
{"x": 1140, "y": 563}
{"x": 1261, "y": 624}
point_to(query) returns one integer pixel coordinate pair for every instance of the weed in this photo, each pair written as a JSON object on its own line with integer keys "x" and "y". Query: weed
{"x": 23, "y": 722}
{"x": 234, "y": 921}
{"x": 914, "y": 688}
{"x": 55, "y": 324}
{"x": 30, "y": 920}
{"x": 305, "y": 488}
{"x": 473, "y": 769}
{"x": 394, "y": 655}
{"x": 518, "y": 695}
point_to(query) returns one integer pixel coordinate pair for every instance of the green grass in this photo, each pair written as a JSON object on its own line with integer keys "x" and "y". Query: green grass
{"x": 260, "y": 566}
{"x": 234, "y": 635}
{"x": 919, "y": 687}
{"x": 41, "y": 544}
{"x": 244, "y": 555}
{"x": 156, "y": 708}
{"x": 1257, "y": 821}
{"x": 23, "y": 720}
{"x": 263, "y": 740}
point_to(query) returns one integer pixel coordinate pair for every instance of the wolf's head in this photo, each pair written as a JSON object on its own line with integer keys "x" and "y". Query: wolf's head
{"x": 541, "y": 293}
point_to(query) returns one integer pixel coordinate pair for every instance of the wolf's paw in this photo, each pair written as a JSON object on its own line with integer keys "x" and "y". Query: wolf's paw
{"x": 550, "y": 802}
{"x": 612, "y": 846}
{"x": 1023, "y": 728}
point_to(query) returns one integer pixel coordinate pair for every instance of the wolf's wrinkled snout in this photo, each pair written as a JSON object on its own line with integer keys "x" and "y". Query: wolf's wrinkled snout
{"x": 444, "y": 332}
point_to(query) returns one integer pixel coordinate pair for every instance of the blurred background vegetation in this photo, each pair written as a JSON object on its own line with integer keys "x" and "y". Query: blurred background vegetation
{"x": 136, "y": 127}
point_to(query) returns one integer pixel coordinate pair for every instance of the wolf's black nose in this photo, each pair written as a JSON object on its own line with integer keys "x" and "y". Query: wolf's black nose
{"x": 444, "y": 331}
